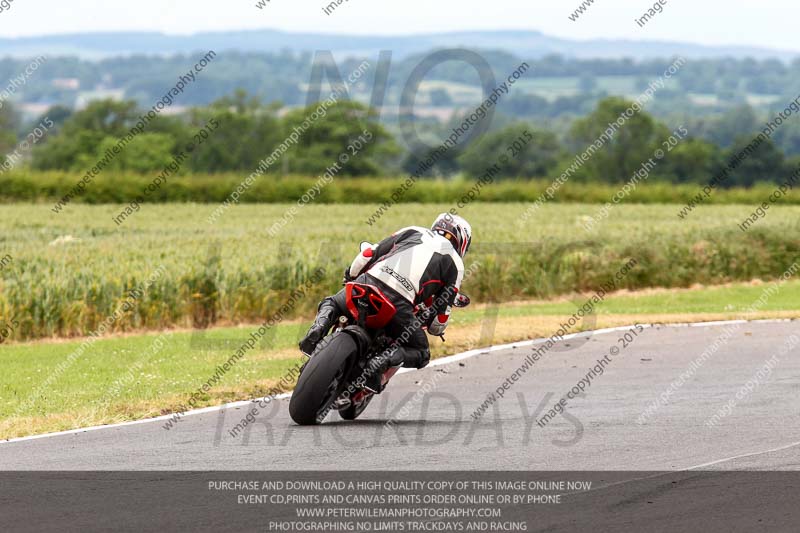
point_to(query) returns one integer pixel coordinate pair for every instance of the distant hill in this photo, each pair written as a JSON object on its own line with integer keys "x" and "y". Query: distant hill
{"x": 530, "y": 44}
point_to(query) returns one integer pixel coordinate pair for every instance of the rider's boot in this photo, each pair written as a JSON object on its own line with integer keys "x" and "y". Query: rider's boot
{"x": 395, "y": 356}
{"x": 326, "y": 316}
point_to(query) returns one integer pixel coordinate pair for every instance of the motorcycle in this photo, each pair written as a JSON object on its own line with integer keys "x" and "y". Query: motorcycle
{"x": 336, "y": 375}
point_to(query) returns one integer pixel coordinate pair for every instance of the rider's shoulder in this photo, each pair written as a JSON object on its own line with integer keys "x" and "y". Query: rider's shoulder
{"x": 458, "y": 261}
{"x": 417, "y": 229}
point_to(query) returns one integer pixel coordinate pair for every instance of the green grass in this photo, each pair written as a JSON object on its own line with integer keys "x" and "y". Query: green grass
{"x": 179, "y": 367}
{"x": 729, "y": 299}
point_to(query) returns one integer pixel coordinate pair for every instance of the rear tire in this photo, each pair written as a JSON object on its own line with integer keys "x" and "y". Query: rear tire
{"x": 322, "y": 380}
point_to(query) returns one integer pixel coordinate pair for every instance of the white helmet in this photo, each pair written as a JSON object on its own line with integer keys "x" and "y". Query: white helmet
{"x": 456, "y": 230}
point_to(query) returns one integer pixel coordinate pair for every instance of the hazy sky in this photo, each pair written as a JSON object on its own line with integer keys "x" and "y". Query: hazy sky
{"x": 770, "y": 24}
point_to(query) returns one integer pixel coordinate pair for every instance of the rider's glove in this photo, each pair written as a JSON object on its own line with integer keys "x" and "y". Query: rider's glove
{"x": 346, "y": 278}
{"x": 437, "y": 324}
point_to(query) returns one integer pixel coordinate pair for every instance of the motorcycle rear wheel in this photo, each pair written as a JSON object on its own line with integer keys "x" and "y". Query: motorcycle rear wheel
{"x": 322, "y": 380}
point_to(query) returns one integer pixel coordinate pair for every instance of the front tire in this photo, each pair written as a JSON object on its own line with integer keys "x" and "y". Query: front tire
{"x": 322, "y": 380}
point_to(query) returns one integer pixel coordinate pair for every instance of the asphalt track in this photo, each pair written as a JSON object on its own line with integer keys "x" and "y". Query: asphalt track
{"x": 437, "y": 432}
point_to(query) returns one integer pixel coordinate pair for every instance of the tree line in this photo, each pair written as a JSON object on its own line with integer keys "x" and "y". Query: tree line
{"x": 249, "y": 130}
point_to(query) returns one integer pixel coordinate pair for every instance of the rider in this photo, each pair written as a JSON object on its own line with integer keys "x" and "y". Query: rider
{"x": 413, "y": 266}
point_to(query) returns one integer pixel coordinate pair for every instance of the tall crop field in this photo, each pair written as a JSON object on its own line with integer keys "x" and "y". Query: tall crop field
{"x": 70, "y": 271}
